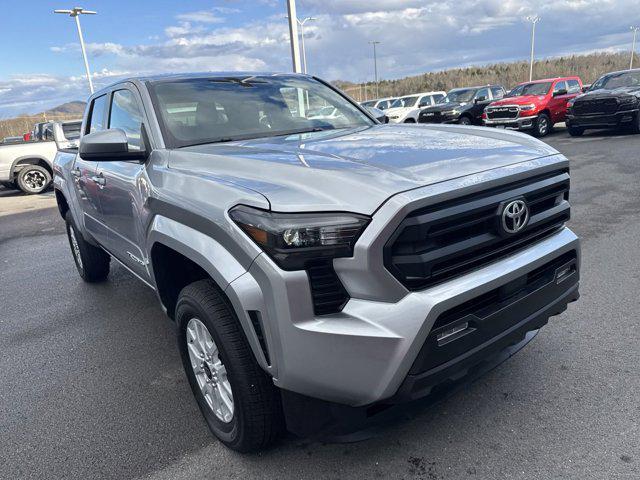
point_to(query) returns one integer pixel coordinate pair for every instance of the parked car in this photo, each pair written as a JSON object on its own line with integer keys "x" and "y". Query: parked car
{"x": 28, "y": 165}
{"x": 380, "y": 104}
{"x": 406, "y": 109}
{"x": 612, "y": 101}
{"x": 462, "y": 105}
{"x": 317, "y": 270}
{"x": 534, "y": 106}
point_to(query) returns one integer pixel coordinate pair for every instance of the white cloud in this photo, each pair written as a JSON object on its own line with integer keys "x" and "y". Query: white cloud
{"x": 415, "y": 35}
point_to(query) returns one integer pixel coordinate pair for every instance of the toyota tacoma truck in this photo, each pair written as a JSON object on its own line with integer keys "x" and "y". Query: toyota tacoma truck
{"x": 612, "y": 101}
{"x": 318, "y": 270}
{"x": 534, "y": 106}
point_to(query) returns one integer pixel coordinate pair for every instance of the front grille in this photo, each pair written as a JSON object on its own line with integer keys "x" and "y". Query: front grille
{"x": 445, "y": 240}
{"x": 600, "y": 106}
{"x": 502, "y": 112}
{"x": 327, "y": 292}
{"x": 430, "y": 117}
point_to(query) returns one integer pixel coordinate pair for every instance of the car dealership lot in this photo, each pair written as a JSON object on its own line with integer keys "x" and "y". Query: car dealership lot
{"x": 91, "y": 383}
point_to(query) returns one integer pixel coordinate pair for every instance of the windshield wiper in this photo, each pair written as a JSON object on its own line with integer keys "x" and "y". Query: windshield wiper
{"x": 281, "y": 133}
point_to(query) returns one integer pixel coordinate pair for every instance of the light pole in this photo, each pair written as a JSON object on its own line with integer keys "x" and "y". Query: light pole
{"x": 375, "y": 64}
{"x": 304, "y": 51}
{"x": 633, "y": 45}
{"x": 534, "y": 20}
{"x": 293, "y": 35}
{"x": 75, "y": 13}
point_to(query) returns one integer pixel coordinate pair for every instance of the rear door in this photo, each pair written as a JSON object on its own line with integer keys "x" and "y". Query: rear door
{"x": 83, "y": 174}
{"x": 124, "y": 185}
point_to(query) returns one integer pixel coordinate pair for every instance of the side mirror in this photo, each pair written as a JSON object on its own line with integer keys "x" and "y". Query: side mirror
{"x": 378, "y": 114}
{"x": 108, "y": 145}
{"x": 562, "y": 91}
{"x": 480, "y": 99}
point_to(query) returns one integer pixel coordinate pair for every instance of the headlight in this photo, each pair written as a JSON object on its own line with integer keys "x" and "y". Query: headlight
{"x": 292, "y": 240}
{"x": 527, "y": 108}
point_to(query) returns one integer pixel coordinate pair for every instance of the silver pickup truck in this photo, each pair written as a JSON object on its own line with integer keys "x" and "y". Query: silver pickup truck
{"x": 319, "y": 270}
{"x": 29, "y": 165}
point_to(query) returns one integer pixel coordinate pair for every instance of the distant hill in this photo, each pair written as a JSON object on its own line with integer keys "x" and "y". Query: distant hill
{"x": 75, "y": 108}
{"x": 587, "y": 67}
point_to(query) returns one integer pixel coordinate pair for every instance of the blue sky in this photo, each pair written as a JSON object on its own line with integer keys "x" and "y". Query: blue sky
{"x": 42, "y": 67}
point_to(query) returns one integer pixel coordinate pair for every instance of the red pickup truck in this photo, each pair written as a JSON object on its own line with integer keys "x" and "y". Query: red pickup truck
{"x": 534, "y": 106}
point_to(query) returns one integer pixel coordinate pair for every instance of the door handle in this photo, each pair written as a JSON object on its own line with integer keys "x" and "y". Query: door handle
{"x": 76, "y": 172}
{"x": 99, "y": 180}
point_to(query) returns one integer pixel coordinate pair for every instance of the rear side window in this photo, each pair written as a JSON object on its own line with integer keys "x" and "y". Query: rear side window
{"x": 574, "y": 86}
{"x": 126, "y": 115}
{"x": 96, "y": 120}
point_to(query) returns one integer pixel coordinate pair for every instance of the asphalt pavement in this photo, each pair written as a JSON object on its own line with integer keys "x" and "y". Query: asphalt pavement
{"x": 91, "y": 385}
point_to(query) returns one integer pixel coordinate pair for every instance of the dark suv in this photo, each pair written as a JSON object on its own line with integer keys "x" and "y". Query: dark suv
{"x": 462, "y": 105}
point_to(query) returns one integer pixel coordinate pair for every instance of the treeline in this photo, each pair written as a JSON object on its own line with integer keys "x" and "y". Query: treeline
{"x": 587, "y": 67}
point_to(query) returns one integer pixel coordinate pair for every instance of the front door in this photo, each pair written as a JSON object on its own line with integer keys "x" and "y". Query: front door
{"x": 481, "y": 99}
{"x": 84, "y": 177}
{"x": 124, "y": 187}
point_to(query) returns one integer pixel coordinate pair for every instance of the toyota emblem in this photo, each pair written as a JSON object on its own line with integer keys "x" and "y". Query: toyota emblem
{"x": 515, "y": 216}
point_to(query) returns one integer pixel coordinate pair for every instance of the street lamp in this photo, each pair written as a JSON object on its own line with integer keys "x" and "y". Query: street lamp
{"x": 304, "y": 51}
{"x": 375, "y": 64}
{"x": 534, "y": 20}
{"x": 293, "y": 35}
{"x": 75, "y": 13}
{"x": 633, "y": 45}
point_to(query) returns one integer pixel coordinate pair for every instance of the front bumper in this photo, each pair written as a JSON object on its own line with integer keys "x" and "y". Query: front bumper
{"x": 366, "y": 353}
{"x": 613, "y": 120}
{"x": 520, "y": 123}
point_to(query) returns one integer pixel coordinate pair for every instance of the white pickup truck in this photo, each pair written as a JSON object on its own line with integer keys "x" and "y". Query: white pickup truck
{"x": 28, "y": 165}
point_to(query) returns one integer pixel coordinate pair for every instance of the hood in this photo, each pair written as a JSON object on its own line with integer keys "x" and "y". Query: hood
{"x": 398, "y": 111}
{"x": 521, "y": 100}
{"x": 608, "y": 93}
{"x": 355, "y": 169}
{"x": 443, "y": 107}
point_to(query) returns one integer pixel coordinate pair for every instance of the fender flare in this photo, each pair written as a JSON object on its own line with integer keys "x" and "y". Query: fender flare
{"x": 15, "y": 163}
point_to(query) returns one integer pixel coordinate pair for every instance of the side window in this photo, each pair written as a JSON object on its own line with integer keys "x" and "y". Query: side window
{"x": 574, "y": 86}
{"x": 96, "y": 120}
{"x": 437, "y": 98}
{"x": 425, "y": 101}
{"x": 497, "y": 92}
{"x": 125, "y": 114}
{"x": 482, "y": 93}
{"x": 560, "y": 86}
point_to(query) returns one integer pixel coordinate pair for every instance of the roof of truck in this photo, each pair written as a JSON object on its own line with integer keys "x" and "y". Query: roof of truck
{"x": 543, "y": 80}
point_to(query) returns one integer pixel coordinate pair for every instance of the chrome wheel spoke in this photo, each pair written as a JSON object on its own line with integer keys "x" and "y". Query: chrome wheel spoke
{"x": 209, "y": 371}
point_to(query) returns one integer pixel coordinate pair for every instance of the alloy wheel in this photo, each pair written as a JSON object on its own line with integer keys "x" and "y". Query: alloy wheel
{"x": 210, "y": 372}
{"x": 35, "y": 180}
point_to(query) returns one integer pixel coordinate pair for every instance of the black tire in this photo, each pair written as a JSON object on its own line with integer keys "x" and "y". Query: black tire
{"x": 635, "y": 127}
{"x": 92, "y": 262}
{"x": 33, "y": 179}
{"x": 410, "y": 120}
{"x": 576, "y": 131}
{"x": 464, "y": 120}
{"x": 542, "y": 126}
{"x": 257, "y": 420}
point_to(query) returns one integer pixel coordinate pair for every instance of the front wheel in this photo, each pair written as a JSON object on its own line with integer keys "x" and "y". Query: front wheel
{"x": 410, "y": 120}
{"x": 542, "y": 125}
{"x": 464, "y": 121}
{"x": 91, "y": 262}
{"x": 33, "y": 179}
{"x": 576, "y": 131}
{"x": 236, "y": 397}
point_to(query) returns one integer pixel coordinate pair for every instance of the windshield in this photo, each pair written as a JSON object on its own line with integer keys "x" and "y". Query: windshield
{"x": 617, "y": 80}
{"x": 530, "y": 89}
{"x": 462, "y": 95}
{"x": 223, "y": 109}
{"x": 404, "y": 102}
